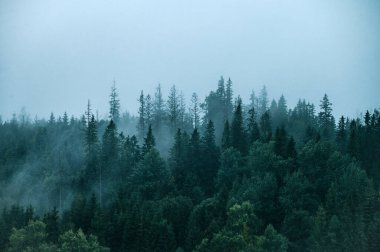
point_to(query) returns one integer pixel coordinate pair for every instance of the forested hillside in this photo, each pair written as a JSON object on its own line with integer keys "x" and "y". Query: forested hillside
{"x": 207, "y": 175}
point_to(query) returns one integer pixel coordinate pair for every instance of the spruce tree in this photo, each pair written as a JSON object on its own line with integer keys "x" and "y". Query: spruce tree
{"x": 265, "y": 127}
{"x": 141, "y": 126}
{"x": 326, "y": 119}
{"x": 149, "y": 142}
{"x": 253, "y": 128}
{"x": 114, "y": 104}
{"x": 238, "y": 137}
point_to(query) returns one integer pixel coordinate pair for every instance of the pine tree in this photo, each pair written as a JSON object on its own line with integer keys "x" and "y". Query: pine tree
{"x": 265, "y": 127}
{"x": 173, "y": 108}
{"x": 263, "y": 101}
{"x": 148, "y": 110}
{"x": 141, "y": 127}
{"x": 238, "y": 137}
{"x": 158, "y": 108}
{"x": 326, "y": 119}
{"x": 194, "y": 110}
{"x": 341, "y": 135}
{"x": 353, "y": 140}
{"x": 229, "y": 96}
{"x": 92, "y": 150}
{"x": 221, "y": 92}
{"x": 65, "y": 120}
{"x": 253, "y": 128}
{"x": 210, "y": 156}
{"x": 149, "y": 142}
{"x": 88, "y": 111}
{"x": 178, "y": 156}
{"x": 114, "y": 104}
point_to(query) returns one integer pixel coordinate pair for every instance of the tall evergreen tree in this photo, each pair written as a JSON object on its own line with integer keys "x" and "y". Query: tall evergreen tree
{"x": 229, "y": 97}
{"x": 149, "y": 142}
{"x": 173, "y": 106}
{"x": 238, "y": 137}
{"x": 253, "y": 128}
{"x": 114, "y": 104}
{"x": 341, "y": 135}
{"x": 265, "y": 127}
{"x": 158, "y": 108}
{"x": 263, "y": 101}
{"x": 141, "y": 126}
{"x": 148, "y": 110}
{"x": 194, "y": 110}
{"x": 326, "y": 119}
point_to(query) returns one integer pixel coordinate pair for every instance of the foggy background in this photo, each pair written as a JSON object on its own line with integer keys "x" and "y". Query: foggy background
{"x": 54, "y": 55}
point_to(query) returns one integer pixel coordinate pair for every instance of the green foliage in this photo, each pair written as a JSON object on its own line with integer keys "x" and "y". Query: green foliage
{"x": 271, "y": 241}
{"x": 225, "y": 187}
{"x": 78, "y": 242}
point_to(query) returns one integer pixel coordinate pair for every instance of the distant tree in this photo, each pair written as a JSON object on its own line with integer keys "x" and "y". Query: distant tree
{"x": 141, "y": 126}
{"x": 52, "y": 119}
{"x": 181, "y": 111}
{"x": 326, "y": 119}
{"x": 194, "y": 110}
{"x": 341, "y": 135}
{"x": 52, "y": 225}
{"x": 78, "y": 242}
{"x": 229, "y": 97}
{"x": 173, "y": 106}
{"x": 265, "y": 127}
{"x": 114, "y": 104}
{"x": 271, "y": 241}
{"x": 65, "y": 120}
{"x": 210, "y": 157}
{"x": 92, "y": 151}
{"x": 253, "y": 128}
{"x": 30, "y": 238}
{"x": 158, "y": 108}
{"x": 88, "y": 112}
{"x": 353, "y": 140}
{"x": 221, "y": 91}
{"x": 263, "y": 101}
{"x": 148, "y": 110}
{"x": 238, "y": 136}
{"x": 149, "y": 142}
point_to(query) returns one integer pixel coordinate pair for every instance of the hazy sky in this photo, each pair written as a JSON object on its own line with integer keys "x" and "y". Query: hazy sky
{"x": 54, "y": 55}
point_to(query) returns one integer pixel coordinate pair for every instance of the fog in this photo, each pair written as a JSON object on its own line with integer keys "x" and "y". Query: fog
{"x": 54, "y": 55}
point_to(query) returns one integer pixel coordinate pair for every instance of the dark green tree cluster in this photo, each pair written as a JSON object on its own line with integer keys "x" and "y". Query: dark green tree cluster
{"x": 243, "y": 178}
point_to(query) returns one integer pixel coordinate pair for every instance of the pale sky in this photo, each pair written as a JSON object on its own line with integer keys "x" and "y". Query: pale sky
{"x": 54, "y": 55}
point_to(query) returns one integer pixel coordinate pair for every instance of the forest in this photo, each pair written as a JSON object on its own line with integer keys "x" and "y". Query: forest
{"x": 207, "y": 175}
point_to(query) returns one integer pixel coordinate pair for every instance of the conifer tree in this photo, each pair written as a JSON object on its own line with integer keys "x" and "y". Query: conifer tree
{"x": 148, "y": 110}
{"x": 325, "y": 118}
{"x": 158, "y": 108}
{"x": 341, "y": 135}
{"x": 194, "y": 110}
{"x": 149, "y": 142}
{"x": 114, "y": 104}
{"x": 141, "y": 127}
{"x": 253, "y": 128}
{"x": 229, "y": 96}
{"x": 238, "y": 137}
{"x": 265, "y": 127}
{"x": 210, "y": 157}
{"x": 173, "y": 107}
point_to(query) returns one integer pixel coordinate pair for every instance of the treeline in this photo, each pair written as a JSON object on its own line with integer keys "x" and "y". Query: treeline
{"x": 217, "y": 175}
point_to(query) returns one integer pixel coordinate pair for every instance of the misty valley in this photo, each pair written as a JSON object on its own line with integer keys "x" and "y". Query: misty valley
{"x": 213, "y": 174}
